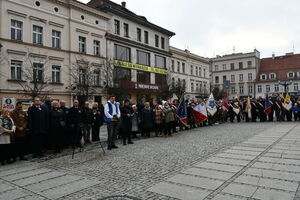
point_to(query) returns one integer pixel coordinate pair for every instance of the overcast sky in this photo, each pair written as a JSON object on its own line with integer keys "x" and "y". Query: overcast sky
{"x": 215, "y": 27}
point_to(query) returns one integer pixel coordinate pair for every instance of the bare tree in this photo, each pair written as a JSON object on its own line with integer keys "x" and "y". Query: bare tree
{"x": 178, "y": 88}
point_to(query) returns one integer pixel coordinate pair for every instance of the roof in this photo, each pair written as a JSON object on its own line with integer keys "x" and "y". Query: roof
{"x": 236, "y": 56}
{"x": 187, "y": 53}
{"x": 109, "y": 6}
{"x": 280, "y": 65}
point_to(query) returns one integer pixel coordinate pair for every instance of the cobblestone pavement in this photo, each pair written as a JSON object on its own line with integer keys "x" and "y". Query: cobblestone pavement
{"x": 229, "y": 161}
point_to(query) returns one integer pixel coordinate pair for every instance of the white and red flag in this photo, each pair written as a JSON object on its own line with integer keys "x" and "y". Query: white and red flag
{"x": 200, "y": 112}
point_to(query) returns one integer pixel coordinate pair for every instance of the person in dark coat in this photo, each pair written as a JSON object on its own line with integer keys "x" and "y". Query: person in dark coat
{"x": 254, "y": 110}
{"x": 47, "y": 103}
{"x": 126, "y": 114}
{"x": 38, "y": 125}
{"x": 147, "y": 119}
{"x": 57, "y": 124}
{"x": 97, "y": 122}
{"x": 67, "y": 139}
{"x": 87, "y": 122}
{"x": 278, "y": 109}
{"x": 75, "y": 121}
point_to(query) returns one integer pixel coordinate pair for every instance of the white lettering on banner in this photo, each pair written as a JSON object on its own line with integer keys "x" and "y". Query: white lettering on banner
{"x": 151, "y": 87}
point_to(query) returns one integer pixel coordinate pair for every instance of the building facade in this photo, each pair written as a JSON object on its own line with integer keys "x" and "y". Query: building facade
{"x": 235, "y": 73}
{"x": 138, "y": 51}
{"x": 45, "y": 42}
{"x": 278, "y": 75}
{"x": 191, "y": 71}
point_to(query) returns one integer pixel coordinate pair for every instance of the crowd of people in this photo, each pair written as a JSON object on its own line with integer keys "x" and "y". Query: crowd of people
{"x": 52, "y": 125}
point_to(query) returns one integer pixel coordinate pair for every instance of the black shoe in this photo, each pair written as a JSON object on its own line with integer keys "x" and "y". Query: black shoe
{"x": 23, "y": 158}
{"x": 114, "y": 147}
{"x": 34, "y": 156}
{"x": 130, "y": 142}
{"x": 124, "y": 143}
{"x": 108, "y": 148}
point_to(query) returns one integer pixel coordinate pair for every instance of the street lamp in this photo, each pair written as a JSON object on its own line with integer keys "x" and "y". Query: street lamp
{"x": 285, "y": 84}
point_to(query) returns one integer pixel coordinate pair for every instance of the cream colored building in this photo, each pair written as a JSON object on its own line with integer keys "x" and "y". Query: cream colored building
{"x": 190, "y": 70}
{"x": 238, "y": 71}
{"x": 49, "y": 37}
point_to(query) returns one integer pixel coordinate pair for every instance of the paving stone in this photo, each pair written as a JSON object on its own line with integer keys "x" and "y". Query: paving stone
{"x": 38, "y": 178}
{"x": 248, "y": 148}
{"x": 280, "y": 160}
{"x": 273, "y": 174}
{"x": 228, "y": 197}
{"x": 22, "y": 175}
{"x": 274, "y": 166}
{"x": 228, "y": 161}
{"x": 4, "y": 187}
{"x": 265, "y": 182}
{"x": 265, "y": 194}
{"x": 284, "y": 155}
{"x": 179, "y": 191}
{"x": 239, "y": 189}
{"x": 235, "y": 156}
{"x": 17, "y": 170}
{"x": 243, "y": 152}
{"x": 217, "y": 166}
{"x": 209, "y": 173}
{"x": 11, "y": 195}
{"x": 196, "y": 181}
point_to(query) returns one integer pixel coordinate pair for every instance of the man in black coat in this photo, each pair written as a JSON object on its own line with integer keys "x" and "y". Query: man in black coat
{"x": 97, "y": 122}
{"x": 87, "y": 122}
{"x": 67, "y": 140}
{"x": 126, "y": 115}
{"x": 38, "y": 125}
{"x": 75, "y": 121}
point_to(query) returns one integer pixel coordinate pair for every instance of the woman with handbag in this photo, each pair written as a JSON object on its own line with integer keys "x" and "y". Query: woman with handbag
{"x": 7, "y": 128}
{"x": 57, "y": 125}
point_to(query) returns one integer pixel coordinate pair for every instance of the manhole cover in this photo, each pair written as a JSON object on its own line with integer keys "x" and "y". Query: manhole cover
{"x": 120, "y": 198}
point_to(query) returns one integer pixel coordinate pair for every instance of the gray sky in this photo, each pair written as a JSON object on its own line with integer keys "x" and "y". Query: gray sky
{"x": 214, "y": 27}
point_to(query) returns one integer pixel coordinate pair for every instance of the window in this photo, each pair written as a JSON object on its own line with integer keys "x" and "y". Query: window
{"x": 183, "y": 68}
{"x": 267, "y": 88}
{"x": 37, "y": 35}
{"x": 96, "y": 48}
{"x": 16, "y": 70}
{"x": 82, "y": 76}
{"x": 259, "y": 88}
{"x": 55, "y": 74}
{"x": 217, "y": 79}
{"x": 126, "y": 30}
{"x": 200, "y": 71}
{"x": 232, "y": 66}
{"x": 276, "y": 87}
{"x": 250, "y": 89}
{"x": 121, "y": 74}
{"x": 172, "y": 65}
{"x": 178, "y": 66}
{"x": 16, "y": 30}
{"x": 143, "y": 58}
{"x": 146, "y": 35}
{"x": 82, "y": 17}
{"x": 249, "y": 76}
{"x": 296, "y": 88}
{"x": 122, "y": 53}
{"x": 263, "y": 77}
{"x": 272, "y": 76}
{"x": 81, "y": 43}
{"x": 232, "y": 89}
{"x": 162, "y": 43}
{"x": 224, "y": 79}
{"x": 192, "y": 70}
{"x": 204, "y": 73}
{"x": 241, "y": 89}
{"x": 56, "y": 39}
{"x": 117, "y": 27}
{"x": 143, "y": 77}
{"x": 139, "y": 34}
{"x": 240, "y": 65}
{"x": 156, "y": 40}
{"x": 196, "y": 71}
{"x": 216, "y": 68}
{"x": 241, "y": 77}
{"x": 96, "y": 78}
{"x": 232, "y": 78}
{"x": 160, "y": 62}
{"x": 224, "y": 66}
{"x": 197, "y": 86}
{"x": 160, "y": 79}
{"x": 192, "y": 87}
{"x": 291, "y": 75}
{"x": 249, "y": 63}
{"x": 38, "y": 72}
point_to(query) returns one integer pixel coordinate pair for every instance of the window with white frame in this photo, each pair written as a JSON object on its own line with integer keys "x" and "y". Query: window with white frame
{"x": 268, "y": 88}
{"x": 81, "y": 44}
{"x": 117, "y": 27}
{"x": 249, "y": 63}
{"x": 82, "y": 76}
{"x": 241, "y": 77}
{"x": 96, "y": 78}
{"x": 200, "y": 71}
{"x": 192, "y": 70}
{"x": 183, "y": 68}
{"x": 291, "y": 75}
{"x": 224, "y": 66}
{"x": 249, "y": 76}
{"x": 55, "y": 74}
{"x": 263, "y": 77}
{"x": 56, "y": 37}
{"x": 216, "y": 79}
{"x": 197, "y": 87}
{"x": 204, "y": 73}
{"x": 38, "y": 72}
{"x": 276, "y": 87}
{"x": 178, "y": 66}
{"x": 37, "y": 35}
{"x": 216, "y": 68}
{"x": 250, "y": 89}
{"x": 241, "y": 89}
{"x": 232, "y": 78}
{"x": 16, "y": 30}
{"x": 259, "y": 88}
{"x": 296, "y": 87}
{"x": 192, "y": 87}
{"x": 96, "y": 48}
{"x": 172, "y": 65}
{"x": 232, "y": 89}
{"x": 196, "y": 71}
{"x": 272, "y": 76}
{"x": 16, "y": 69}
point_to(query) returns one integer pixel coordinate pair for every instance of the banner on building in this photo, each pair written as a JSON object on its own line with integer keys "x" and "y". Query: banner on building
{"x": 124, "y": 64}
{"x": 8, "y": 103}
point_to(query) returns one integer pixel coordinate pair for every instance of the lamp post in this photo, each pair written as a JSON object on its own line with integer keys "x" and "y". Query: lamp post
{"x": 285, "y": 84}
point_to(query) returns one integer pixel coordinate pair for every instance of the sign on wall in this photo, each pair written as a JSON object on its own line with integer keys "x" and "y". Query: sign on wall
{"x": 8, "y": 103}
{"x": 124, "y": 64}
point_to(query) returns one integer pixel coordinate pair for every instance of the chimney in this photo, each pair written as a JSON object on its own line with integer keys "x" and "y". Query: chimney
{"x": 273, "y": 56}
{"x": 123, "y": 4}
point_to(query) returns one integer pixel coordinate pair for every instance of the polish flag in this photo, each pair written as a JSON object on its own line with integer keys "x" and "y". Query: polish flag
{"x": 200, "y": 112}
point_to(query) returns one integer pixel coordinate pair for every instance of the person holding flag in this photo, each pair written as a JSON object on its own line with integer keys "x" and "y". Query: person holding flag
{"x": 235, "y": 110}
{"x": 287, "y": 105}
{"x": 247, "y": 109}
{"x": 211, "y": 108}
{"x": 278, "y": 108}
{"x": 296, "y": 109}
{"x": 181, "y": 112}
{"x": 200, "y": 112}
{"x": 268, "y": 107}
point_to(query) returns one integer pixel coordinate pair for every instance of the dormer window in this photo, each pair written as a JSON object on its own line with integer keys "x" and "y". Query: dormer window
{"x": 272, "y": 76}
{"x": 290, "y": 75}
{"x": 263, "y": 77}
